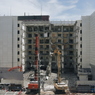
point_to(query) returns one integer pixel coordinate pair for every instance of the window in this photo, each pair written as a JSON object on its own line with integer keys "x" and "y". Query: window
{"x": 80, "y": 45}
{"x": 35, "y": 28}
{"x": 18, "y": 32}
{"x": 70, "y": 41}
{"x": 46, "y": 28}
{"x": 80, "y": 52}
{"x": 70, "y": 57}
{"x": 18, "y": 25}
{"x": 29, "y": 29}
{"x": 71, "y": 29}
{"x": 29, "y": 35}
{"x": 18, "y": 59}
{"x": 47, "y": 52}
{"x": 59, "y": 40}
{"x": 80, "y": 38}
{"x": 18, "y": 52}
{"x": 70, "y": 52}
{"x": 71, "y": 35}
{"x": 53, "y": 58}
{"x": 41, "y": 35}
{"x": 41, "y": 52}
{"x": 18, "y": 45}
{"x": 41, "y": 57}
{"x": 29, "y": 52}
{"x": 41, "y": 46}
{"x": 59, "y": 35}
{"x": 66, "y": 29}
{"x": 47, "y": 58}
{"x": 41, "y": 28}
{"x": 59, "y": 46}
{"x": 70, "y": 46}
{"x": 80, "y": 24}
{"x": 29, "y": 57}
{"x": 47, "y": 41}
{"x": 18, "y": 39}
{"x": 47, "y": 46}
{"x": 29, "y": 41}
{"x": 80, "y": 59}
{"x": 80, "y": 31}
{"x": 41, "y": 41}
{"x": 29, "y": 46}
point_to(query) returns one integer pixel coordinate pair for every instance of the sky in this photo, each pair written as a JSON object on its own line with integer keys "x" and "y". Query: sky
{"x": 58, "y": 10}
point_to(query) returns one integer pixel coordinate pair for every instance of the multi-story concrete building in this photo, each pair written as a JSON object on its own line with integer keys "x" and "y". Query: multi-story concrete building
{"x": 75, "y": 40}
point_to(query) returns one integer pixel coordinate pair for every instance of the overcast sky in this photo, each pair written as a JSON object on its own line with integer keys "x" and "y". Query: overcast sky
{"x": 57, "y": 9}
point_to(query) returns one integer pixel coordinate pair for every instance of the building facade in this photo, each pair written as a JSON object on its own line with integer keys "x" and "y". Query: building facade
{"x": 74, "y": 39}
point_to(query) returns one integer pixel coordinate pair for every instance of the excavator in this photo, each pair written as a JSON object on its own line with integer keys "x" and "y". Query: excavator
{"x": 59, "y": 83}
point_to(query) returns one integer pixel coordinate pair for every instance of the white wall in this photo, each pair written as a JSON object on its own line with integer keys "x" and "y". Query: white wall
{"x": 8, "y": 41}
{"x": 92, "y": 39}
{"x": 85, "y": 41}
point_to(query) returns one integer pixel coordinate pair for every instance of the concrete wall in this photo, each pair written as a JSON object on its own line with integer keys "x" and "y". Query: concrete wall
{"x": 8, "y": 81}
{"x": 85, "y": 82}
{"x": 85, "y": 41}
{"x": 92, "y": 39}
{"x": 8, "y": 41}
{"x": 88, "y": 41}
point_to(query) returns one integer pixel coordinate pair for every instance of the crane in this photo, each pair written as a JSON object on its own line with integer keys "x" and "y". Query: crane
{"x": 33, "y": 86}
{"x": 59, "y": 83}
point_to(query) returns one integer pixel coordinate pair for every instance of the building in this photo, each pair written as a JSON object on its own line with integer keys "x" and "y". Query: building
{"x": 74, "y": 39}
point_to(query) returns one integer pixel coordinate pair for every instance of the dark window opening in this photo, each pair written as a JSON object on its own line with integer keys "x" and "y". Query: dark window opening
{"x": 70, "y": 46}
{"x": 47, "y": 46}
{"x": 18, "y": 25}
{"x": 80, "y": 52}
{"x": 29, "y": 35}
{"x": 29, "y": 47}
{"x": 18, "y": 32}
{"x": 35, "y": 28}
{"x": 47, "y": 41}
{"x": 59, "y": 46}
{"x": 80, "y": 38}
{"x": 41, "y": 41}
{"x": 29, "y": 41}
{"x": 41, "y": 52}
{"x": 70, "y": 41}
{"x": 29, "y": 52}
{"x": 18, "y": 59}
{"x": 71, "y": 57}
{"x": 71, "y": 29}
{"x": 71, "y": 35}
{"x": 29, "y": 57}
{"x": 59, "y": 35}
{"x": 59, "y": 40}
{"x": 41, "y": 28}
{"x": 80, "y": 59}
{"x": 18, "y": 39}
{"x": 80, "y": 45}
{"x": 41, "y": 46}
{"x": 80, "y": 24}
{"x": 80, "y": 31}
{"x": 29, "y": 29}
{"x": 90, "y": 78}
{"x": 46, "y": 28}
{"x": 41, "y": 35}
{"x": 18, "y": 45}
{"x": 18, "y": 52}
{"x": 71, "y": 52}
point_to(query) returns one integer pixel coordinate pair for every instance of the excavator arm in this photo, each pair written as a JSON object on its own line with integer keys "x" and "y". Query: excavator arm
{"x": 17, "y": 67}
